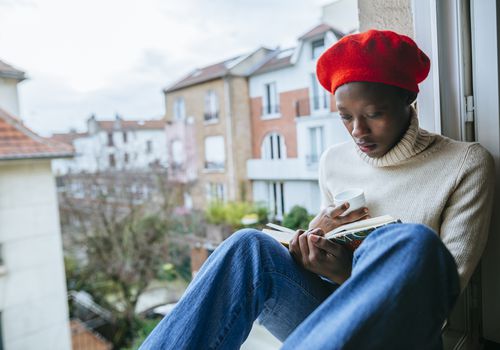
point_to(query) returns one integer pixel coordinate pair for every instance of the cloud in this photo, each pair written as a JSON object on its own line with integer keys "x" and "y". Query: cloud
{"x": 94, "y": 56}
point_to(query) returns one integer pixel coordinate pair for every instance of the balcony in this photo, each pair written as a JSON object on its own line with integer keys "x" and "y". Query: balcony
{"x": 312, "y": 159}
{"x": 280, "y": 169}
{"x": 214, "y": 166}
{"x": 315, "y": 105}
{"x": 211, "y": 117}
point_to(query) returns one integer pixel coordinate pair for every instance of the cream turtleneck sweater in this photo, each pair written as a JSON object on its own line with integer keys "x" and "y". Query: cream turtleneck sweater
{"x": 425, "y": 178}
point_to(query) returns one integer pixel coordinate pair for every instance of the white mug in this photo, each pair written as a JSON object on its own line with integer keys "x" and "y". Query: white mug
{"x": 354, "y": 196}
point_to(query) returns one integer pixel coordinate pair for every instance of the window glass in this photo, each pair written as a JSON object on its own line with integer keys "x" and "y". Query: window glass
{"x": 317, "y": 48}
{"x": 215, "y": 153}
{"x": 179, "y": 109}
{"x": 271, "y": 103}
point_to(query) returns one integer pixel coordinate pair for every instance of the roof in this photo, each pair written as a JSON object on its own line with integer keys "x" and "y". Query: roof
{"x": 7, "y": 71}
{"x": 207, "y": 73}
{"x": 19, "y": 142}
{"x": 110, "y": 125}
{"x": 281, "y": 59}
{"x": 321, "y": 29}
{"x": 83, "y": 338}
{"x": 68, "y": 138}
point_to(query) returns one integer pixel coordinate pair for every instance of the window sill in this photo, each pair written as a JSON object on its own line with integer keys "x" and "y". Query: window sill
{"x": 270, "y": 116}
{"x": 211, "y": 121}
{"x": 209, "y": 171}
{"x": 320, "y": 110}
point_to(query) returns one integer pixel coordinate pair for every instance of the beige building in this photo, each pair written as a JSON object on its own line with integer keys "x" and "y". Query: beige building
{"x": 214, "y": 103}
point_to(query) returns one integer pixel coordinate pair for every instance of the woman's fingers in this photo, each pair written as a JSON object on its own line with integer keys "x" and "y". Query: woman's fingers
{"x": 326, "y": 245}
{"x": 333, "y": 212}
{"x": 354, "y": 215}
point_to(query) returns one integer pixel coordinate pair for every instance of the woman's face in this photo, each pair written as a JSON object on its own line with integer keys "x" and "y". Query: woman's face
{"x": 376, "y": 115}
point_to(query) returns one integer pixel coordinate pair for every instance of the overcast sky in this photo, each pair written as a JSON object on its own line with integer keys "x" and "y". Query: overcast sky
{"x": 115, "y": 56}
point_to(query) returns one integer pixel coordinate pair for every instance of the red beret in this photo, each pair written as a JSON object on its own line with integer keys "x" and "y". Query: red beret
{"x": 377, "y": 56}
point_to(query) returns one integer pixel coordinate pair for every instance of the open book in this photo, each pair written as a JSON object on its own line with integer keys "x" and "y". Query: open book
{"x": 351, "y": 235}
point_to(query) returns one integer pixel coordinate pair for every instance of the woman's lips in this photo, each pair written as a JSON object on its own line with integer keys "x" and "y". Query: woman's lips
{"x": 367, "y": 147}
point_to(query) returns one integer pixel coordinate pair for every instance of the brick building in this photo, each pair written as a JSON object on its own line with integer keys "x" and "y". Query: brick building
{"x": 208, "y": 117}
{"x": 293, "y": 120}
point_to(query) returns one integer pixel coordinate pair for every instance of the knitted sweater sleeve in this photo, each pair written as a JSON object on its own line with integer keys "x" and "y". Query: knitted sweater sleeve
{"x": 326, "y": 196}
{"x": 466, "y": 217}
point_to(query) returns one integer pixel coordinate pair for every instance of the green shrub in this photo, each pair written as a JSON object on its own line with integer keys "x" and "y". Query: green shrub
{"x": 297, "y": 218}
{"x": 231, "y": 213}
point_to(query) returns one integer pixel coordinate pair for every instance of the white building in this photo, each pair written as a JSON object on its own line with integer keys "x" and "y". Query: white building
{"x": 9, "y": 78}
{"x": 33, "y": 298}
{"x": 114, "y": 144}
{"x": 294, "y": 120}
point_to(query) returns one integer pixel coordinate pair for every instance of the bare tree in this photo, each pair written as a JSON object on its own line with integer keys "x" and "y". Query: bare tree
{"x": 117, "y": 225}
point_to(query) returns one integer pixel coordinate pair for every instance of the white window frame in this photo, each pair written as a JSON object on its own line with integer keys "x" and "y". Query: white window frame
{"x": 316, "y": 144}
{"x": 3, "y": 267}
{"x": 320, "y": 98}
{"x": 273, "y": 147}
{"x": 316, "y": 51}
{"x": 179, "y": 109}
{"x": 216, "y": 191}
{"x": 215, "y": 162}
{"x": 211, "y": 111}
{"x": 270, "y": 101}
{"x": 438, "y": 25}
{"x": 276, "y": 199}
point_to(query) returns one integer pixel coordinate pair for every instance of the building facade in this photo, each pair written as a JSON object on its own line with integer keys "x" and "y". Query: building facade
{"x": 33, "y": 297}
{"x": 293, "y": 121}
{"x": 209, "y": 129}
{"x": 114, "y": 145}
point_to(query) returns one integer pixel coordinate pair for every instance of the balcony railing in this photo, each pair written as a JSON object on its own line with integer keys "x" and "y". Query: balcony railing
{"x": 312, "y": 159}
{"x": 270, "y": 109}
{"x": 320, "y": 102}
{"x": 214, "y": 165}
{"x": 211, "y": 116}
{"x": 304, "y": 107}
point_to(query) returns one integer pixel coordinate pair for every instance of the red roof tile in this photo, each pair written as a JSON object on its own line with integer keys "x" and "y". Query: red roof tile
{"x": 83, "y": 338}
{"x": 7, "y": 71}
{"x": 110, "y": 125}
{"x": 19, "y": 142}
{"x": 320, "y": 29}
{"x": 68, "y": 138}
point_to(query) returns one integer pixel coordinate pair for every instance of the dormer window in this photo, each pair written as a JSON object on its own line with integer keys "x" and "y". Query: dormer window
{"x": 317, "y": 48}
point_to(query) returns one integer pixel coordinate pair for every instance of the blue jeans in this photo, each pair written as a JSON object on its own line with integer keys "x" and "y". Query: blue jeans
{"x": 403, "y": 285}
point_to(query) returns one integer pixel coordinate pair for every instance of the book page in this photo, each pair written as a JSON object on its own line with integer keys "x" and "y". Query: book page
{"x": 363, "y": 224}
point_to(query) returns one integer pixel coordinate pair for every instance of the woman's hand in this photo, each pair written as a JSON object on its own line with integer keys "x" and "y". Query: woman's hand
{"x": 330, "y": 218}
{"x": 321, "y": 256}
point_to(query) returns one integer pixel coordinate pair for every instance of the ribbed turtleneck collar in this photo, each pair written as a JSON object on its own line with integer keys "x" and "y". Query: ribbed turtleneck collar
{"x": 414, "y": 141}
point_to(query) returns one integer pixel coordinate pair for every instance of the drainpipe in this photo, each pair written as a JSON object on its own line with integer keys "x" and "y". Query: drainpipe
{"x": 229, "y": 138}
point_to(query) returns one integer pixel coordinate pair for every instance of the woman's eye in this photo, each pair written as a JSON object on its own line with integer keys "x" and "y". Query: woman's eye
{"x": 345, "y": 117}
{"x": 374, "y": 115}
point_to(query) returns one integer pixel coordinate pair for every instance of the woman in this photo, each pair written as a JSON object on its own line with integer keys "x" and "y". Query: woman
{"x": 398, "y": 288}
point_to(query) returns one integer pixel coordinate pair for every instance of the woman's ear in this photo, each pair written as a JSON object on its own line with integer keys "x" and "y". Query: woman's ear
{"x": 411, "y": 97}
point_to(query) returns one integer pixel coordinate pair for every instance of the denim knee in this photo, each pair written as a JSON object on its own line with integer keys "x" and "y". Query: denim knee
{"x": 416, "y": 237}
{"x": 251, "y": 237}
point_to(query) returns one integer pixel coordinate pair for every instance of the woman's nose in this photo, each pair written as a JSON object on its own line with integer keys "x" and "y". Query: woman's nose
{"x": 359, "y": 128}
